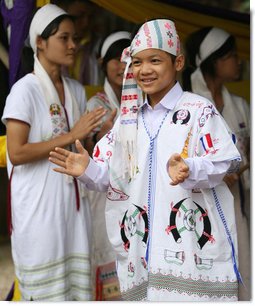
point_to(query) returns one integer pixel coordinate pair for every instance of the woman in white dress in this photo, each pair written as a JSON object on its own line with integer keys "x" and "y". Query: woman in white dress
{"x": 106, "y": 280}
{"x": 213, "y": 60}
{"x": 50, "y": 217}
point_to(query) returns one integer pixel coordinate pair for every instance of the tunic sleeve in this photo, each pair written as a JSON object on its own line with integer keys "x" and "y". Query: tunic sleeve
{"x": 19, "y": 104}
{"x": 214, "y": 150}
{"x": 96, "y": 176}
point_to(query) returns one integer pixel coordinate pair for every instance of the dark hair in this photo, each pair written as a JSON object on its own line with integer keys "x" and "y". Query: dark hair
{"x": 53, "y": 27}
{"x": 27, "y": 60}
{"x": 192, "y": 47}
{"x": 114, "y": 51}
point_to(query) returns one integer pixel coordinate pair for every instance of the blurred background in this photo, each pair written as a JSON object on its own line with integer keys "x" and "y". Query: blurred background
{"x": 102, "y": 17}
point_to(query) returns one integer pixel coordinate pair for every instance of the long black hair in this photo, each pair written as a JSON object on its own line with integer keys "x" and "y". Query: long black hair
{"x": 192, "y": 47}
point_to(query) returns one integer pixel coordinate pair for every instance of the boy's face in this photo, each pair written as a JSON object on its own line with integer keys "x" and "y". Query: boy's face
{"x": 155, "y": 72}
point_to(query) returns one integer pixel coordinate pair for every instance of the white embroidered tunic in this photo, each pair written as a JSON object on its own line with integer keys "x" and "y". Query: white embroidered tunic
{"x": 172, "y": 243}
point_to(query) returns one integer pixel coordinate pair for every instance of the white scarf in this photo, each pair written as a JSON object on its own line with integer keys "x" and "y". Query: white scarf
{"x": 112, "y": 98}
{"x": 157, "y": 34}
{"x": 43, "y": 17}
{"x": 50, "y": 92}
{"x": 111, "y": 39}
{"x": 52, "y": 98}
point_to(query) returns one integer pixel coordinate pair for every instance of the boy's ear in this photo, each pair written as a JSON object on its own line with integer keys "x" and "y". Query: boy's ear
{"x": 179, "y": 62}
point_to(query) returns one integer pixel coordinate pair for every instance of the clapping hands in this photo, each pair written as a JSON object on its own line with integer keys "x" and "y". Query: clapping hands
{"x": 177, "y": 169}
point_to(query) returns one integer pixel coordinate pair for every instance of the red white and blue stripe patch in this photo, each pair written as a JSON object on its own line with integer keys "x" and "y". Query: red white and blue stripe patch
{"x": 206, "y": 142}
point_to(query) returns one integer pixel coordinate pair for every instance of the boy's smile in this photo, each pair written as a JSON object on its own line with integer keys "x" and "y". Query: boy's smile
{"x": 155, "y": 72}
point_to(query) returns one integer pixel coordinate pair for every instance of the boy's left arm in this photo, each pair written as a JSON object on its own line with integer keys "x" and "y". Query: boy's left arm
{"x": 211, "y": 153}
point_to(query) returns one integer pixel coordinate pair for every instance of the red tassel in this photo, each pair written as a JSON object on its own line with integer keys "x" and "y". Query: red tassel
{"x": 77, "y": 194}
{"x": 99, "y": 287}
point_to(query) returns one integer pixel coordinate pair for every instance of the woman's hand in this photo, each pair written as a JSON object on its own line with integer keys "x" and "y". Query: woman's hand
{"x": 177, "y": 169}
{"x": 107, "y": 125}
{"x": 86, "y": 123}
{"x": 70, "y": 163}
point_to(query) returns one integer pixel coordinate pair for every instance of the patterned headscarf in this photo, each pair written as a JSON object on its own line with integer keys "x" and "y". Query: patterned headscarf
{"x": 155, "y": 34}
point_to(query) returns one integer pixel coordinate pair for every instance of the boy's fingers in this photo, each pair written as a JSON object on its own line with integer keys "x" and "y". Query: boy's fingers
{"x": 58, "y": 156}
{"x": 61, "y": 151}
{"x": 57, "y": 162}
{"x": 60, "y": 170}
{"x": 79, "y": 147}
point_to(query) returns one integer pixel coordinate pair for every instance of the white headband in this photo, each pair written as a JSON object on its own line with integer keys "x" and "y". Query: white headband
{"x": 42, "y": 18}
{"x": 214, "y": 39}
{"x": 112, "y": 38}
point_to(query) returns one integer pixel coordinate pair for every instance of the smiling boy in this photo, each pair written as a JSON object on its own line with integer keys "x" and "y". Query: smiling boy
{"x": 171, "y": 218}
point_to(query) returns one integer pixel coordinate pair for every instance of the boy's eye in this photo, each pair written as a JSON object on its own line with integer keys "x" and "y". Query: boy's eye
{"x": 135, "y": 62}
{"x": 155, "y": 60}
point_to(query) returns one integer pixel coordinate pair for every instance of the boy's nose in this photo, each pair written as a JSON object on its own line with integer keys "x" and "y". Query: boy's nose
{"x": 145, "y": 68}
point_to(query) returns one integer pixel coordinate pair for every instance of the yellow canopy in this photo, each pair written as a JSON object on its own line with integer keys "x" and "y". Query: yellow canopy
{"x": 186, "y": 21}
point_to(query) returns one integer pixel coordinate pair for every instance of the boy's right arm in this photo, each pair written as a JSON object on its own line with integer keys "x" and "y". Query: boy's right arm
{"x": 81, "y": 166}
{"x": 70, "y": 163}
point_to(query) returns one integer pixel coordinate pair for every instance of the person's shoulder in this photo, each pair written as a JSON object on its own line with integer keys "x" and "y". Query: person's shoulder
{"x": 193, "y": 97}
{"x": 74, "y": 83}
{"x": 27, "y": 79}
{"x": 76, "y": 87}
{"x": 99, "y": 96}
{"x": 240, "y": 106}
{"x": 99, "y": 99}
{"x": 26, "y": 83}
{"x": 238, "y": 99}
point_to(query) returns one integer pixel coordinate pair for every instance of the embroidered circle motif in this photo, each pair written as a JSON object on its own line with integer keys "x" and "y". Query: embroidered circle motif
{"x": 182, "y": 116}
